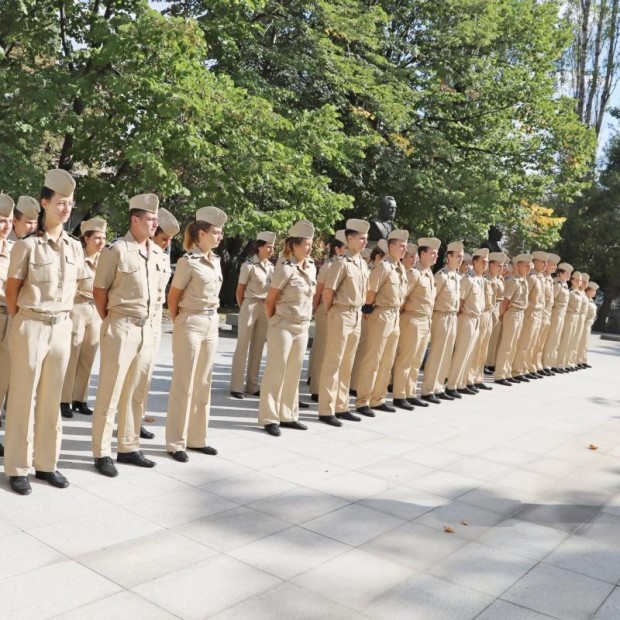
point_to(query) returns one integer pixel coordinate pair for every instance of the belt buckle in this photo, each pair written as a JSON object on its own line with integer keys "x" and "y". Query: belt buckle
{"x": 141, "y": 322}
{"x": 55, "y": 319}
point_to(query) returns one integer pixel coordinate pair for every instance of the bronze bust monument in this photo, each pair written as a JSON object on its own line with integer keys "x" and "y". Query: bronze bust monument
{"x": 382, "y": 225}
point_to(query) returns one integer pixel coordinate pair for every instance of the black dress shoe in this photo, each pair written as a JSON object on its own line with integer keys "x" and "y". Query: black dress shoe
{"x": 503, "y": 382}
{"x": 541, "y": 374}
{"x": 353, "y": 393}
{"x": 65, "y": 410}
{"x": 402, "y": 403}
{"x": 105, "y": 465}
{"x": 257, "y": 393}
{"x": 466, "y": 390}
{"x": 390, "y": 388}
{"x": 239, "y": 395}
{"x": 556, "y": 370}
{"x": 134, "y": 458}
{"x": 531, "y": 375}
{"x": 512, "y": 380}
{"x": 303, "y": 405}
{"x": 273, "y": 429}
{"x": 366, "y": 410}
{"x": 179, "y": 455}
{"x": 82, "y": 408}
{"x": 472, "y": 387}
{"x": 587, "y": 366}
{"x": 416, "y": 402}
{"x": 453, "y": 393}
{"x": 20, "y": 484}
{"x": 55, "y": 478}
{"x": 444, "y": 396}
{"x": 521, "y": 379}
{"x": 1, "y": 450}
{"x": 146, "y": 434}
{"x": 384, "y": 407}
{"x": 548, "y": 372}
{"x": 431, "y": 398}
{"x": 347, "y": 415}
{"x": 298, "y": 426}
{"x": 483, "y": 386}
{"x": 490, "y": 369}
{"x": 205, "y": 450}
{"x": 314, "y": 398}
{"x": 332, "y": 420}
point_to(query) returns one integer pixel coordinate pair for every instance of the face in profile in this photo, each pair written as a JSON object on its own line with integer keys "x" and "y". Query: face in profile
{"x": 388, "y": 208}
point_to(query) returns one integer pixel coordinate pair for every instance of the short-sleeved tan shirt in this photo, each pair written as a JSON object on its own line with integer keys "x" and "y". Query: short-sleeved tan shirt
{"x": 389, "y": 281}
{"x": 472, "y": 294}
{"x": 85, "y": 285}
{"x": 255, "y": 276}
{"x": 547, "y": 281}
{"x": 490, "y": 298}
{"x": 348, "y": 278}
{"x": 49, "y": 271}
{"x": 5, "y": 257}
{"x": 420, "y": 292}
{"x": 324, "y": 270}
{"x": 448, "y": 286}
{"x": 515, "y": 291}
{"x": 536, "y": 292}
{"x": 585, "y": 300}
{"x": 200, "y": 278}
{"x": 297, "y": 284}
{"x": 132, "y": 278}
{"x": 560, "y": 295}
{"x": 574, "y": 301}
{"x": 592, "y": 312}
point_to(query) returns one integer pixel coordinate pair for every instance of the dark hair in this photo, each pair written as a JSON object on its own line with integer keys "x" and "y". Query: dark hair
{"x": 335, "y": 244}
{"x": 136, "y": 213}
{"x": 393, "y": 241}
{"x": 561, "y": 271}
{"x": 290, "y": 243}
{"x": 259, "y": 244}
{"x": 376, "y": 251}
{"x": 159, "y": 230}
{"x": 190, "y": 236}
{"x": 475, "y": 258}
{"x": 46, "y": 194}
{"x": 423, "y": 248}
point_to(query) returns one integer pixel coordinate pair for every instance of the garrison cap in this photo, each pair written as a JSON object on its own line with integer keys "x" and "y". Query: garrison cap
{"x": 429, "y": 242}
{"x": 303, "y": 229}
{"x": 6, "y": 205}
{"x": 585, "y": 277}
{"x": 60, "y": 181}
{"x": 593, "y": 285}
{"x": 484, "y": 252}
{"x": 554, "y": 259}
{"x": 576, "y": 274}
{"x": 383, "y": 245}
{"x": 266, "y": 236}
{"x": 339, "y": 236}
{"x": 360, "y": 226}
{"x": 145, "y": 202}
{"x": 455, "y": 246}
{"x": 168, "y": 223}
{"x": 28, "y": 207}
{"x": 211, "y": 215}
{"x": 400, "y": 234}
{"x": 95, "y": 224}
{"x": 565, "y": 267}
{"x": 365, "y": 252}
{"x": 497, "y": 257}
{"x": 543, "y": 256}
{"x": 522, "y": 258}
{"x": 466, "y": 258}
{"x": 412, "y": 249}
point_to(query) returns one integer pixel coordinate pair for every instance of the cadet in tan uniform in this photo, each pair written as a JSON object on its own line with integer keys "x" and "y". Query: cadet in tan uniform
{"x": 443, "y": 326}
{"x": 471, "y": 307}
{"x": 571, "y": 320}
{"x": 582, "y": 352}
{"x": 86, "y": 325}
{"x": 387, "y": 287}
{"x": 558, "y": 313}
{"x": 127, "y": 291}
{"x": 289, "y": 309}
{"x": 511, "y": 315}
{"x": 343, "y": 296}
{"x": 25, "y": 217}
{"x": 415, "y": 325}
{"x": 317, "y": 352}
{"x": 581, "y": 320}
{"x": 547, "y": 279}
{"x": 193, "y": 301}
{"x": 251, "y": 293}
{"x": 41, "y": 285}
{"x": 498, "y": 291}
{"x": 167, "y": 228}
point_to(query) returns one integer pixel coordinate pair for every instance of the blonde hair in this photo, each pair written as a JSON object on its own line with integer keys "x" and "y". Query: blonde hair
{"x": 289, "y": 245}
{"x": 191, "y": 234}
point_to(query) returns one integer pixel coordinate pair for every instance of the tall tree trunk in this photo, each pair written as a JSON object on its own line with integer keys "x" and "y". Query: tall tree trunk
{"x": 610, "y": 66}
{"x": 592, "y": 87}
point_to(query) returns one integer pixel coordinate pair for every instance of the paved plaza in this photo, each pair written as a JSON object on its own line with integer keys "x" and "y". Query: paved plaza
{"x": 492, "y": 507}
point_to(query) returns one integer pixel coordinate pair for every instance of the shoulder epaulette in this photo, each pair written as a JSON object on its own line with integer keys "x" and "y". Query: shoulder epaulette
{"x": 189, "y": 255}
{"x": 73, "y": 237}
{"x": 250, "y": 260}
{"x": 287, "y": 262}
{"x": 30, "y": 234}
{"x": 112, "y": 243}
{"x": 311, "y": 260}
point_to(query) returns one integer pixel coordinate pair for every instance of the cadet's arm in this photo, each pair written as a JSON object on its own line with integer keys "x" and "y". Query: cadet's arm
{"x": 174, "y": 296}
{"x": 12, "y": 291}
{"x": 318, "y": 293}
{"x": 270, "y": 302}
{"x": 328, "y": 298}
{"x": 100, "y": 295}
{"x": 504, "y": 306}
{"x": 240, "y": 294}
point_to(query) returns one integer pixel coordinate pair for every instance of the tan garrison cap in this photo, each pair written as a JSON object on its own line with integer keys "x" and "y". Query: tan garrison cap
{"x": 482, "y": 252}
{"x": 585, "y": 277}
{"x": 412, "y": 249}
{"x": 543, "y": 256}
{"x": 455, "y": 246}
{"x": 28, "y": 207}
{"x": 168, "y": 223}
{"x": 266, "y": 236}
{"x": 497, "y": 257}
{"x": 365, "y": 252}
{"x": 522, "y": 258}
{"x": 400, "y": 234}
{"x": 340, "y": 236}
{"x": 429, "y": 242}
{"x": 145, "y": 202}
{"x": 565, "y": 267}
{"x": 95, "y": 224}
{"x": 466, "y": 258}
{"x": 60, "y": 181}
{"x": 211, "y": 215}
{"x": 593, "y": 285}
{"x": 383, "y": 245}
{"x": 360, "y": 226}
{"x": 576, "y": 274}
{"x": 6, "y": 205}
{"x": 303, "y": 229}
{"x": 554, "y": 259}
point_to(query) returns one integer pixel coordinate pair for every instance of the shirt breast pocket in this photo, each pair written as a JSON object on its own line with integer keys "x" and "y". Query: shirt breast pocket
{"x": 42, "y": 270}
{"x": 71, "y": 269}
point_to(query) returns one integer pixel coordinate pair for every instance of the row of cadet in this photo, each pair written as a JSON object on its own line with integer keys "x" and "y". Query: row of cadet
{"x": 59, "y": 298}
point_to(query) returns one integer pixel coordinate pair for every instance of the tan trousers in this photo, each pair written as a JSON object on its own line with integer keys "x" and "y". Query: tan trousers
{"x": 85, "y": 331}
{"x": 576, "y": 339}
{"x": 571, "y": 322}
{"x": 552, "y": 343}
{"x": 415, "y": 333}
{"x": 522, "y": 362}
{"x": 194, "y": 344}
{"x": 139, "y": 400}
{"x": 343, "y": 335}
{"x": 478, "y": 358}
{"x": 582, "y": 348}
{"x": 39, "y": 356}
{"x": 467, "y": 330}
{"x": 279, "y": 394}
{"x": 507, "y": 348}
{"x": 5, "y": 358}
{"x": 251, "y": 337}
{"x": 361, "y": 347}
{"x": 443, "y": 335}
{"x": 496, "y": 334}
{"x": 378, "y": 358}
{"x": 126, "y": 354}
{"x": 317, "y": 353}
{"x": 543, "y": 334}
